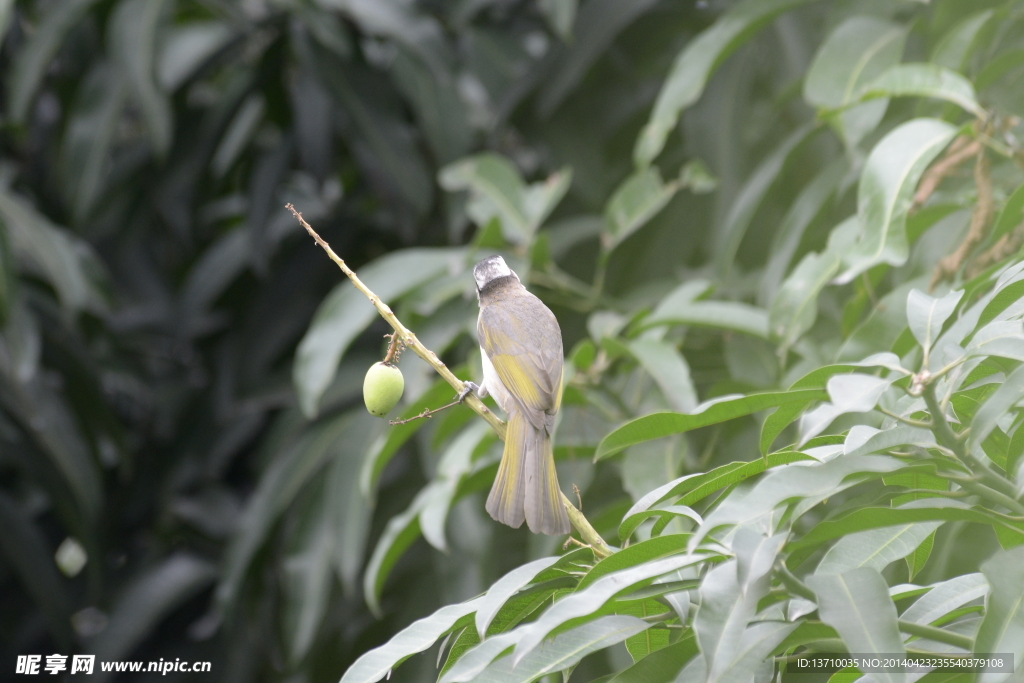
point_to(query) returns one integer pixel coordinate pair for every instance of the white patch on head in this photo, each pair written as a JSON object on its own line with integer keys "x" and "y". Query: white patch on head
{"x": 489, "y": 269}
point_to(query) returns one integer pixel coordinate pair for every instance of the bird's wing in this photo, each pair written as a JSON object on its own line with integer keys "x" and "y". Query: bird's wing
{"x": 524, "y": 344}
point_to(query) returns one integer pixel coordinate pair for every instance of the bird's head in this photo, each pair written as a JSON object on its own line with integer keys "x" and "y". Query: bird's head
{"x": 490, "y": 269}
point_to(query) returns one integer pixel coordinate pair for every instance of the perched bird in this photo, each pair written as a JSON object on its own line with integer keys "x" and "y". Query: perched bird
{"x": 521, "y": 349}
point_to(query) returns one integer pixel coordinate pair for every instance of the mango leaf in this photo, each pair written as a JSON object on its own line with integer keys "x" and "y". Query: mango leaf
{"x": 917, "y": 560}
{"x": 694, "y": 65}
{"x": 349, "y": 510}
{"x": 945, "y": 597}
{"x": 730, "y": 234}
{"x": 1005, "y": 397}
{"x": 277, "y": 488}
{"x": 633, "y": 555}
{"x": 875, "y": 548}
{"x": 417, "y": 637}
{"x": 693, "y": 487}
{"x": 507, "y": 586}
{"x": 30, "y": 558}
{"x": 184, "y": 48}
{"x": 854, "y": 54}
{"x": 849, "y": 393}
{"x": 795, "y": 307}
{"x": 1011, "y": 215}
{"x": 661, "y": 666}
{"x": 33, "y": 60}
{"x": 62, "y": 259}
{"x": 726, "y": 315}
{"x": 592, "y": 598}
{"x": 345, "y": 312}
{"x": 956, "y": 45}
{"x": 885, "y": 193}
{"x": 808, "y": 484}
{"x": 638, "y": 199}
{"x": 597, "y": 25}
{"x": 565, "y": 650}
{"x": 651, "y": 640}
{"x": 925, "y": 80}
{"x": 146, "y": 600}
{"x": 728, "y": 601}
{"x": 87, "y": 141}
{"x": 710, "y": 412}
{"x": 926, "y": 315}
{"x": 857, "y": 605}
{"x": 669, "y": 370}
{"x": 306, "y": 576}
{"x": 890, "y": 438}
{"x": 456, "y": 462}
{"x": 924, "y": 510}
{"x": 497, "y": 189}
{"x": 757, "y": 642}
{"x": 807, "y": 205}
{"x": 132, "y": 33}
{"x": 1002, "y": 629}
{"x": 777, "y": 421}
{"x": 398, "y": 535}
{"x": 379, "y": 135}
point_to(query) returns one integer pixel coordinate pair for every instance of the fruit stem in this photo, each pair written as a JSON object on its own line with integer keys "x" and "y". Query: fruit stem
{"x": 394, "y": 349}
{"x": 409, "y": 340}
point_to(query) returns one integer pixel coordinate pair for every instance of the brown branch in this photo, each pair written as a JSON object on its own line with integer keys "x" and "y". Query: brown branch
{"x": 980, "y": 218}
{"x": 578, "y": 520}
{"x": 1005, "y": 246}
{"x": 962, "y": 149}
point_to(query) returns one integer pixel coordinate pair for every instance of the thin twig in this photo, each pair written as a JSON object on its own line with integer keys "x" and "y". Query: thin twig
{"x": 980, "y": 218}
{"x": 578, "y": 520}
{"x": 962, "y": 149}
{"x": 426, "y": 414}
{"x": 1005, "y": 246}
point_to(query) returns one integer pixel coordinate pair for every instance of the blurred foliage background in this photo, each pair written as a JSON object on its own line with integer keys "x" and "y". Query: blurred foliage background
{"x": 186, "y": 468}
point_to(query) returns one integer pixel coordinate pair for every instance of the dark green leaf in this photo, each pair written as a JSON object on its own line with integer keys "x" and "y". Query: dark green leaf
{"x": 711, "y": 412}
{"x": 694, "y": 65}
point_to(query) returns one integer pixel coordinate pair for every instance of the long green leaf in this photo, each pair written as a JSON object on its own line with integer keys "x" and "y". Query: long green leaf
{"x": 854, "y": 54}
{"x": 1002, "y": 629}
{"x": 1009, "y": 393}
{"x": 32, "y": 61}
{"x": 711, "y": 412}
{"x": 808, "y": 484}
{"x": 593, "y": 598}
{"x": 726, "y": 315}
{"x": 132, "y": 33}
{"x": 694, "y": 487}
{"x": 877, "y": 517}
{"x": 564, "y": 651}
{"x": 417, "y": 637}
{"x": 945, "y": 597}
{"x": 925, "y": 80}
{"x": 886, "y": 189}
{"x": 694, "y": 65}
{"x": 857, "y": 605}
{"x": 669, "y": 370}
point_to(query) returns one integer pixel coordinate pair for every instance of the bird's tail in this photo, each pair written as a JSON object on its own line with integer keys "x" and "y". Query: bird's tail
{"x": 526, "y": 486}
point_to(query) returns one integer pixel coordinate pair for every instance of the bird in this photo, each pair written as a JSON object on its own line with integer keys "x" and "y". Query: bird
{"x": 521, "y": 354}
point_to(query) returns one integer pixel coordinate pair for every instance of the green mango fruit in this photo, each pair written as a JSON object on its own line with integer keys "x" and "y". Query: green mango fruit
{"x": 382, "y": 388}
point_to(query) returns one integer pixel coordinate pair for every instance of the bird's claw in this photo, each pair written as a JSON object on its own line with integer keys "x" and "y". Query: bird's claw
{"x": 466, "y": 388}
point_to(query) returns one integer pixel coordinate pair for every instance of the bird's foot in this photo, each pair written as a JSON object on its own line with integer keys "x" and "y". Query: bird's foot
{"x": 466, "y": 388}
